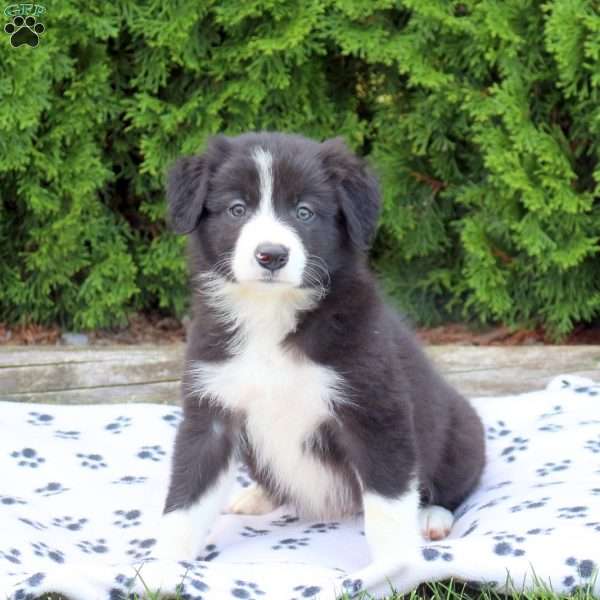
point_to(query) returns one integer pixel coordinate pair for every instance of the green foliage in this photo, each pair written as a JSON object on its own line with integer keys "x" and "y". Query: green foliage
{"x": 482, "y": 118}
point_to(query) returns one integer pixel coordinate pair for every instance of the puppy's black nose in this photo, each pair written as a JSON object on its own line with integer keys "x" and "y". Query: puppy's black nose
{"x": 271, "y": 256}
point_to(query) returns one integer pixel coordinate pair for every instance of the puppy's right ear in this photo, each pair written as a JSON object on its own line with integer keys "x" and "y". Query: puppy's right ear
{"x": 188, "y": 184}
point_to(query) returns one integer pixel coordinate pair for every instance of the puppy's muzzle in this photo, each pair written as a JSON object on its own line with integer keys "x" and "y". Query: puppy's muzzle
{"x": 271, "y": 256}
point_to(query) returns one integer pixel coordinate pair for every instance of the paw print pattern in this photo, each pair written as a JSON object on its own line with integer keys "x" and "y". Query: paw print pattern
{"x": 172, "y": 418}
{"x": 530, "y": 504}
{"x": 557, "y": 409}
{"x": 24, "y": 31}
{"x": 193, "y": 568}
{"x": 124, "y": 581}
{"x": 573, "y": 512}
{"x": 41, "y": 549}
{"x": 154, "y": 453}
{"x": 472, "y": 527}
{"x": 291, "y": 543}
{"x": 552, "y": 467}
{"x": 251, "y": 532}
{"x": 497, "y": 486}
{"x": 28, "y": 457}
{"x": 322, "y": 527}
{"x": 35, "y": 524}
{"x": 593, "y": 445}
{"x": 243, "y": 476}
{"x": 548, "y": 484}
{"x": 431, "y": 553}
{"x": 92, "y": 461}
{"x": 10, "y": 500}
{"x": 246, "y": 589}
{"x": 591, "y": 390}
{"x": 284, "y": 521}
{"x": 497, "y": 431}
{"x": 67, "y": 435}
{"x": 127, "y": 518}
{"x": 97, "y": 546}
{"x": 36, "y": 579}
{"x": 36, "y": 418}
{"x": 306, "y": 591}
{"x": 584, "y": 569}
{"x": 550, "y": 427}
{"x": 211, "y": 553}
{"x": 493, "y": 502}
{"x": 463, "y": 509}
{"x": 197, "y": 585}
{"x": 505, "y": 549}
{"x": 118, "y": 425}
{"x": 130, "y": 480}
{"x": 139, "y": 549}
{"x": 540, "y": 531}
{"x": 12, "y": 555}
{"x": 52, "y": 489}
{"x": 506, "y": 544}
{"x": 69, "y": 523}
{"x": 519, "y": 444}
{"x": 352, "y": 586}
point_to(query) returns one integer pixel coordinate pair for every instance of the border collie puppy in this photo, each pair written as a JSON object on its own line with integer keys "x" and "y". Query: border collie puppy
{"x": 295, "y": 364}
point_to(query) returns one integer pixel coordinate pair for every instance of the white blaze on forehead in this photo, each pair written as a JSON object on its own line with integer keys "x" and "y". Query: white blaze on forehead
{"x": 264, "y": 164}
{"x": 264, "y": 226}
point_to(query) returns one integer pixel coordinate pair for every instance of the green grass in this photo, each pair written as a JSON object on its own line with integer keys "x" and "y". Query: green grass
{"x": 446, "y": 590}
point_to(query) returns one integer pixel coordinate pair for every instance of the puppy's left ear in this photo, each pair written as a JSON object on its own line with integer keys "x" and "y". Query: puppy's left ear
{"x": 357, "y": 190}
{"x": 188, "y": 184}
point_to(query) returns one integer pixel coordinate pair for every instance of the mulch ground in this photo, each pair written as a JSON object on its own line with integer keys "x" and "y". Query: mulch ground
{"x": 153, "y": 329}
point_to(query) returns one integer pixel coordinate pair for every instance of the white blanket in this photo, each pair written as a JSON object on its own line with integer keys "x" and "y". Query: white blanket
{"x": 82, "y": 487}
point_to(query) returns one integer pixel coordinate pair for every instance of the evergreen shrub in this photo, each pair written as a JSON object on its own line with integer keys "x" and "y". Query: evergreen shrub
{"x": 482, "y": 118}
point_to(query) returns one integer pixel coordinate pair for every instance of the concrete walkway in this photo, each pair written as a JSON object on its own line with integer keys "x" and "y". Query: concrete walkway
{"x": 74, "y": 375}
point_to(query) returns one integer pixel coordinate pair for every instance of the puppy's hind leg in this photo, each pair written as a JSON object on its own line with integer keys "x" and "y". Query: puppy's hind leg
{"x": 253, "y": 500}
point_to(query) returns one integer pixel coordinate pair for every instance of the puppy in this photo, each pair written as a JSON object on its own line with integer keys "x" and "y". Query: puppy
{"x": 295, "y": 365}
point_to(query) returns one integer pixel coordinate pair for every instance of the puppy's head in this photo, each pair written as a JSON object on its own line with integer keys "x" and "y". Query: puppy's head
{"x": 274, "y": 209}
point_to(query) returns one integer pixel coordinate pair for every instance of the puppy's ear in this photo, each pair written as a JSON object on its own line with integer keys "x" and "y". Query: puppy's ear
{"x": 188, "y": 184}
{"x": 357, "y": 190}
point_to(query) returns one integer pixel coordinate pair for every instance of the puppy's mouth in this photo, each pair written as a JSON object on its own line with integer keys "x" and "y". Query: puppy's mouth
{"x": 272, "y": 279}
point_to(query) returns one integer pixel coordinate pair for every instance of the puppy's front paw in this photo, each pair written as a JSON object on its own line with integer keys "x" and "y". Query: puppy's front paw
{"x": 179, "y": 538}
{"x": 252, "y": 501}
{"x": 435, "y": 522}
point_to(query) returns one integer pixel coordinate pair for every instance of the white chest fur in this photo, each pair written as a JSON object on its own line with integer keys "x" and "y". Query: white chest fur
{"x": 284, "y": 397}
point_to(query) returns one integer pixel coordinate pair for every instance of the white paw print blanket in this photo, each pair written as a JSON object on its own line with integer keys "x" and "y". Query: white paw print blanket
{"x": 82, "y": 487}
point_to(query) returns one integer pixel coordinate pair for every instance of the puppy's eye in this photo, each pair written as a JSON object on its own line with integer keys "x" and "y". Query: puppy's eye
{"x": 237, "y": 210}
{"x": 304, "y": 213}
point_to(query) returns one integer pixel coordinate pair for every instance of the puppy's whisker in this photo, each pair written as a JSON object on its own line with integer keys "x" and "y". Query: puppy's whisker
{"x": 317, "y": 275}
{"x": 319, "y": 264}
{"x": 219, "y": 273}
